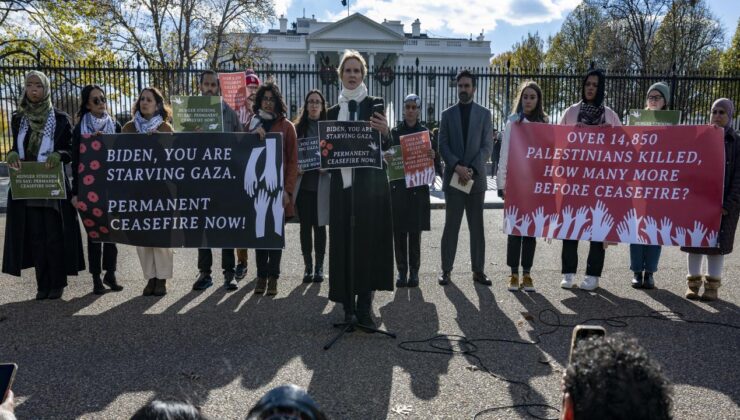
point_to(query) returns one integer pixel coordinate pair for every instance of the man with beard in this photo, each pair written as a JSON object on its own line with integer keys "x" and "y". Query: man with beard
{"x": 465, "y": 143}
{"x": 209, "y": 86}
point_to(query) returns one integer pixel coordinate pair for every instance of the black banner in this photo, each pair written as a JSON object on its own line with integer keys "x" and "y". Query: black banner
{"x": 193, "y": 190}
{"x": 349, "y": 144}
{"x": 309, "y": 154}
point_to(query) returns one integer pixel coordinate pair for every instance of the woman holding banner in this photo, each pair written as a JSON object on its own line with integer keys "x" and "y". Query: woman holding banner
{"x": 410, "y": 206}
{"x": 722, "y": 112}
{"x": 93, "y": 119}
{"x": 270, "y": 111}
{"x": 151, "y": 115}
{"x": 361, "y": 254}
{"x": 589, "y": 111}
{"x": 528, "y": 108}
{"x": 43, "y": 233}
{"x": 312, "y": 192}
{"x": 644, "y": 258}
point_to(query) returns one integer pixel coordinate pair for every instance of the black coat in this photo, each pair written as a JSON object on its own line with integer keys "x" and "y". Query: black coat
{"x": 373, "y": 233}
{"x": 730, "y": 200}
{"x": 411, "y": 208}
{"x": 17, "y": 254}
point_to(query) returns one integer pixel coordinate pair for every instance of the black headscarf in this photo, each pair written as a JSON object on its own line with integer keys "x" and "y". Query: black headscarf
{"x": 593, "y": 113}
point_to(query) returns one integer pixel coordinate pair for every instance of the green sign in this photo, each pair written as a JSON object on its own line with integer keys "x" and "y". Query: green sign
{"x": 394, "y": 163}
{"x": 34, "y": 181}
{"x": 197, "y": 113}
{"x": 647, "y": 117}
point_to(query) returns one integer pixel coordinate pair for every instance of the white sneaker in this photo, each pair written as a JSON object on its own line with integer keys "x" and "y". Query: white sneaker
{"x": 589, "y": 283}
{"x": 567, "y": 282}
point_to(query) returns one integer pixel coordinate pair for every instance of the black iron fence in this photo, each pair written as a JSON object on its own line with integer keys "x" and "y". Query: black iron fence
{"x": 693, "y": 94}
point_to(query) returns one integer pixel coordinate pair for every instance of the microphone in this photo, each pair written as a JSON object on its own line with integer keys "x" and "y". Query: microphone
{"x": 352, "y": 110}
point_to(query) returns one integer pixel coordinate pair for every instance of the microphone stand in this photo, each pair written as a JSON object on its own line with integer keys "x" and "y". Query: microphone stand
{"x": 353, "y": 324}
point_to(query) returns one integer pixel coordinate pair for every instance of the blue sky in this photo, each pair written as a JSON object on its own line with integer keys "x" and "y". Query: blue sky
{"x": 504, "y": 22}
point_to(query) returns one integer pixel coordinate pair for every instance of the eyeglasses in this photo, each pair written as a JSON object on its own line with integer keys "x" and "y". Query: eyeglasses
{"x": 314, "y": 102}
{"x": 98, "y": 101}
{"x": 718, "y": 112}
{"x": 269, "y": 99}
{"x": 655, "y": 98}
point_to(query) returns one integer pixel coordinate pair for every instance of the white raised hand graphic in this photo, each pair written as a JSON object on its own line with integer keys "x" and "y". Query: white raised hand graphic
{"x": 697, "y": 234}
{"x": 586, "y": 235}
{"x": 680, "y": 237}
{"x": 567, "y": 221}
{"x": 277, "y": 213}
{"x": 581, "y": 220}
{"x": 510, "y": 219}
{"x": 665, "y": 231}
{"x": 651, "y": 230}
{"x": 270, "y": 174}
{"x": 526, "y": 221}
{"x": 600, "y": 231}
{"x": 623, "y": 232}
{"x": 712, "y": 238}
{"x": 598, "y": 213}
{"x": 260, "y": 206}
{"x": 632, "y": 223}
{"x": 553, "y": 225}
{"x": 250, "y": 173}
{"x": 539, "y": 221}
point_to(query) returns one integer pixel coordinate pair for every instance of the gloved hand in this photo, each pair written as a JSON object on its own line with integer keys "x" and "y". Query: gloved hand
{"x": 53, "y": 160}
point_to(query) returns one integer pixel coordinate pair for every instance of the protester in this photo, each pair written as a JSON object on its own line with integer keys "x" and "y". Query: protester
{"x": 42, "y": 233}
{"x": 437, "y": 157}
{"x": 312, "y": 192}
{"x": 644, "y": 258}
{"x": 410, "y": 206}
{"x": 360, "y": 254}
{"x": 612, "y": 377}
{"x": 723, "y": 110}
{"x": 151, "y": 115}
{"x": 93, "y": 119}
{"x": 209, "y": 86}
{"x": 270, "y": 117}
{"x": 168, "y": 410}
{"x": 253, "y": 83}
{"x": 286, "y": 402}
{"x": 7, "y": 408}
{"x": 589, "y": 111}
{"x": 520, "y": 249}
{"x": 465, "y": 143}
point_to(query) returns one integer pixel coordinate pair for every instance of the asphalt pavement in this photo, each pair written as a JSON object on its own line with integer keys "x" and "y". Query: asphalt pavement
{"x": 103, "y": 357}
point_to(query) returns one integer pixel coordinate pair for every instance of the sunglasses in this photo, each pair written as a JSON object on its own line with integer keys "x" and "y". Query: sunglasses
{"x": 98, "y": 101}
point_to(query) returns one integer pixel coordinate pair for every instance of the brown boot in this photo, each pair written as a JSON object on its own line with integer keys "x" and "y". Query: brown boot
{"x": 261, "y": 286}
{"x": 271, "y": 286}
{"x": 694, "y": 283}
{"x": 711, "y": 284}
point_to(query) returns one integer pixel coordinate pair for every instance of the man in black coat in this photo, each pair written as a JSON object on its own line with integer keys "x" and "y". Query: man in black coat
{"x": 465, "y": 143}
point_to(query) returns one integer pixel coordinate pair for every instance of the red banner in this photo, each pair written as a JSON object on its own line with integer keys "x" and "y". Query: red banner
{"x": 418, "y": 167}
{"x": 646, "y": 185}
{"x": 234, "y": 89}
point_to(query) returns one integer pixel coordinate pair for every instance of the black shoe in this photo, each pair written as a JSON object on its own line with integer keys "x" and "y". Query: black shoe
{"x": 318, "y": 274}
{"x": 42, "y": 294}
{"x": 240, "y": 271}
{"x": 413, "y": 279}
{"x": 203, "y": 281}
{"x": 110, "y": 280}
{"x": 637, "y": 280}
{"x": 401, "y": 280}
{"x": 98, "y": 288}
{"x": 308, "y": 275}
{"x": 160, "y": 287}
{"x": 149, "y": 288}
{"x": 444, "y": 278}
{"x": 55, "y": 293}
{"x": 482, "y": 278}
{"x": 229, "y": 281}
{"x": 365, "y": 322}
{"x": 649, "y": 281}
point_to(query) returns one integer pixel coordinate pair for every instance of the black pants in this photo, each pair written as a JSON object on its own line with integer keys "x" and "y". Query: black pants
{"x": 319, "y": 241}
{"x": 47, "y": 242}
{"x": 268, "y": 262}
{"x": 205, "y": 260}
{"x": 363, "y": 304}
{"x": 408, "y": 250}
{"x": 457, "y": 203}
{"x": 520, "y": 248}
{"x": 594, "y": 263}
{"x": 97, "y": 251}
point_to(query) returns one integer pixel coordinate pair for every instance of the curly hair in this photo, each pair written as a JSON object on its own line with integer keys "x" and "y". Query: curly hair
{"x": 280, "y": 107}
{"x": 613, "y": 378}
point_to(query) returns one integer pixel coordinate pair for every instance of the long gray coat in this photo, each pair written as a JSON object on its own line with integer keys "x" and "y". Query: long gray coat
{"x": 453, "y": 148}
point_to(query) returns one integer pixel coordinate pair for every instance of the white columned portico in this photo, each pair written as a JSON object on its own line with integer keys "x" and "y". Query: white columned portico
{"x": 371, "y": 59}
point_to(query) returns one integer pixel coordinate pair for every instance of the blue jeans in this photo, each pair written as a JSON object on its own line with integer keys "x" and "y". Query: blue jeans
{"x": 644, "y": 258}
